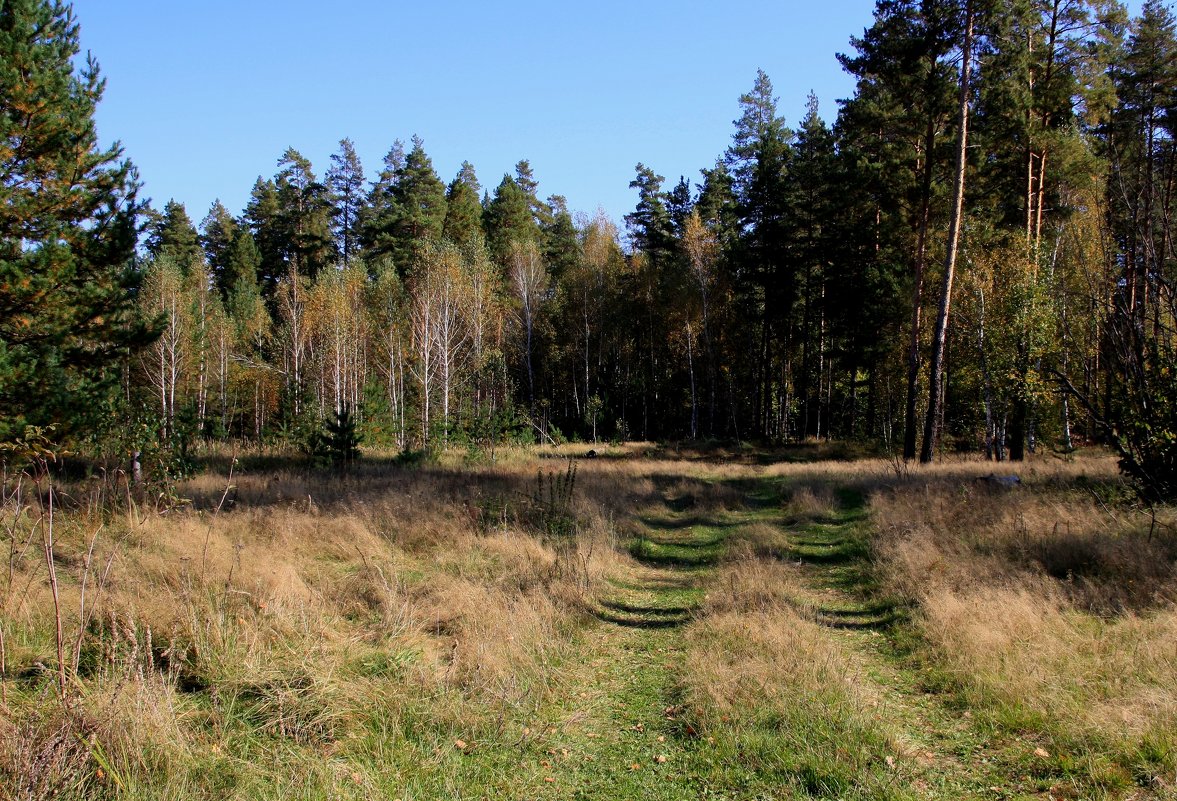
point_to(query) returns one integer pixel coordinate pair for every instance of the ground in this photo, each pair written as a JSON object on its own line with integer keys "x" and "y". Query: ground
{"x": 721, "y": 630}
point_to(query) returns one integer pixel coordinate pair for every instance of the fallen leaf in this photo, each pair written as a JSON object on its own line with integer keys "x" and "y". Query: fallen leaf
{"x": 661, "y": 758}
{"x": 890, "y": 760}
{"x": 635, "y": 766}
{"x": 1041, "y": 752}
{"x": 460, "y": 745}
{"x": 548, "y": 779}
{"x": 661, "y": 738}
{"x": 545, "y": 764}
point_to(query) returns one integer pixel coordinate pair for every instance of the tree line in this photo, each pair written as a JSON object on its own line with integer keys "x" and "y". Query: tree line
{"x": 976, "y": 254}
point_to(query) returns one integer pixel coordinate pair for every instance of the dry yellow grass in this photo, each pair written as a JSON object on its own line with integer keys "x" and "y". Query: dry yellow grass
{"x": 1042, "y": 602}
{"x": 285, "y": 601}
{"x": 752, "y": 649}
{"x": 307, "y": 597}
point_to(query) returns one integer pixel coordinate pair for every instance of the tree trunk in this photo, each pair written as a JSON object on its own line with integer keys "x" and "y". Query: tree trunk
{"x": 917, "y": 297}
{"x": 935, "y": 394}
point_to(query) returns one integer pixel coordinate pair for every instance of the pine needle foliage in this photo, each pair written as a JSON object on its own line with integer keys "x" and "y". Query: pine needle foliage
{"x": 68, "y": 227}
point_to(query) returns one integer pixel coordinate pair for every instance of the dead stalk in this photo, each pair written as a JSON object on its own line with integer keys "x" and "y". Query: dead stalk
{"x": 208, "y": 533}
{"x": 51, "y": 564}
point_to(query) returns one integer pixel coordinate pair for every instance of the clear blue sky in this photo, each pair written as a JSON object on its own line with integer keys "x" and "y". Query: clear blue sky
{"x": 206, "y": 96}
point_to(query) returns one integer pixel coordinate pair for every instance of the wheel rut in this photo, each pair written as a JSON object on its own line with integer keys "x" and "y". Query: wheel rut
{"x": 616, "y": 731}
{"x": 941, "y": 753}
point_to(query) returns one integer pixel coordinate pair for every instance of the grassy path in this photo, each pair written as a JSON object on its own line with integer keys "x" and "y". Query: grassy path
{"x": 618, "y": 734}
{"x": 617, "y": 729}
{"x": 944, "y": 752}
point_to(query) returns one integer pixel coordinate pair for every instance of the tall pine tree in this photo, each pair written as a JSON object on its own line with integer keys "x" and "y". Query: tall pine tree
{"x": 68, "y": 213}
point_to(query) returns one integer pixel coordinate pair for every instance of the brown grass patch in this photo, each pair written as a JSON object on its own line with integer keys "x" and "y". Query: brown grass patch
{"x": 1043, "y": 604}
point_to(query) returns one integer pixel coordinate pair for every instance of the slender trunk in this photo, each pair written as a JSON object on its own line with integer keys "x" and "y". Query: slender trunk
{"x": 935, "y": 390}
{"x": 986, "y": 382}
{"x": 691, "y": 369}
{"x": 917, "y": 297}
{"x": 710, "y": 357}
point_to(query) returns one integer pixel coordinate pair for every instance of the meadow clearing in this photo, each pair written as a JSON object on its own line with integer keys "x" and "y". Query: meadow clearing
{"x": 652, "y": 623}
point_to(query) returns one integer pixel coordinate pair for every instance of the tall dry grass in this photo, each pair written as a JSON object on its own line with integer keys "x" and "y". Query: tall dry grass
{"x": 1045, "y": 605}
{"x": 773, "y": 690}
{"x": 280, "y": 616}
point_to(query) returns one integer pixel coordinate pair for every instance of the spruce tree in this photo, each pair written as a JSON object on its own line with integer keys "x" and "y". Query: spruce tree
{"x": 378, "y": 217}
{"x": 508, "y": 219}
{"x": 524, "y": 176}
{"x": 217, "y": 231}
{"x": 649, "y": 224}
{"x": 68, "y": 227}
{"x": 172, "y": 234}
{"x": 407, "y": 205}
{"x": 463, "y": 211}
{"x": 561, "y": 240}
{"x": 420, "y": 203}
{"x": 263, "y": 218}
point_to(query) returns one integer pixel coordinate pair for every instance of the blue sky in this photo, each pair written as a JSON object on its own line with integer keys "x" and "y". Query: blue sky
{"x": 207, "y": 96}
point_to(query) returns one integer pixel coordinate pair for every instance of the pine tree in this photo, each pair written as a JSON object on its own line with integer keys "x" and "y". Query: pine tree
{"x": 304, "y": 216}
{"x": 68, "y": 212}
{"x": 378, "y": 217}
{"x": 345, "y": 181}
{"x": 952, "y": 247}
{"x": 1139, "y": 417}
{"x": 893, "y": 129}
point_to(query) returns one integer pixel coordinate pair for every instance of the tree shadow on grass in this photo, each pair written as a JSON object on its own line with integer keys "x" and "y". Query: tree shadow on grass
{"x": 648, "y": 609}
{"x": 678, "y": 524}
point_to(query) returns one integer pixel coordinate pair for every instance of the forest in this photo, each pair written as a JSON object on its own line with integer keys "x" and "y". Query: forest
{"x": 976, "y": 256}
{"x": 388, "y": 487}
